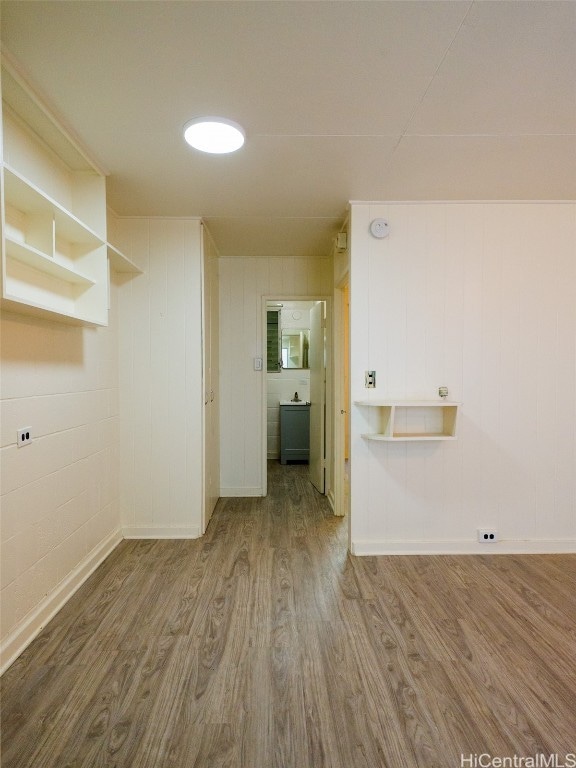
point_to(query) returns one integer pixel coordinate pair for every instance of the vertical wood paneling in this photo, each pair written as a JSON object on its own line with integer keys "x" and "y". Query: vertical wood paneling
{"x": 243, "y": 283}
{"x": 161, "y": 378}
{"x": 480, "y": 298}
{"x": 360, "y": 349}
{"x": 59, "y": 494}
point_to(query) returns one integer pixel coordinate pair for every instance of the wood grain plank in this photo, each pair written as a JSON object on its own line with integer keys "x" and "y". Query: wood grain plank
{"x": 266, "y": 644}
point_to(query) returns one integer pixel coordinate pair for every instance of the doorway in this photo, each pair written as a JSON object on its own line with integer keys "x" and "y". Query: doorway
{"x": 296, "y": 365}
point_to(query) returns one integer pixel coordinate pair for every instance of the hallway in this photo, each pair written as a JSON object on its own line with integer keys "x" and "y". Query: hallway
{"x": 263, "y": 645}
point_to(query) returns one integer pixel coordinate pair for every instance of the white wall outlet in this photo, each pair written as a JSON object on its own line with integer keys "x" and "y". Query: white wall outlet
{"x": 24, "y": 436}
{"x": 370, "y": 379}
{"x": 487, "y": 535}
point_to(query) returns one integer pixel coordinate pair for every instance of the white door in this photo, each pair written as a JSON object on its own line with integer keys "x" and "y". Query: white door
{"x": 210, "y": 374}
{"x": 317, "y": 361}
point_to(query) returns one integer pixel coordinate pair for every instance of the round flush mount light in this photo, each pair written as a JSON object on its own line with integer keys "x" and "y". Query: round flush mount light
{"x": 216, "y": 135}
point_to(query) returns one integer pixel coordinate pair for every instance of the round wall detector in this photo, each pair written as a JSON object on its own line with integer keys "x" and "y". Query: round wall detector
{"x": 379, "y": 228}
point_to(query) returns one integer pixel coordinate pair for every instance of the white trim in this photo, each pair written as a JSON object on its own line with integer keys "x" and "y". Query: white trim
{"x": 161, "y": 532}
{"x": 503, "y": 547}
{"x": 63, "y": 127}
{"x": 27, "y": 630}
{"x": 461, "y": 202}
{"x": 331, "y": 500}
{"x": 240, "y": 492}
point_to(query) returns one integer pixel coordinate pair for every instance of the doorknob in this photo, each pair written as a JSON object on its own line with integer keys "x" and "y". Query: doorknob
{"x": 343, "y": 412}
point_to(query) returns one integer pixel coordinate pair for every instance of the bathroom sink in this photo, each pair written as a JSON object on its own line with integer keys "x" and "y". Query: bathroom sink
{"x": 291, "y": 402}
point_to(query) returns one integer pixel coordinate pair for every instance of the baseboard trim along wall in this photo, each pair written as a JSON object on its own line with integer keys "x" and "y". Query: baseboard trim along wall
{"x": 331, "y": 499}
{"x": 240, "y": 492}
{"x": 21, "y": 637}
{"x": 161, "y": 532}
{"x": 502, "y": 547}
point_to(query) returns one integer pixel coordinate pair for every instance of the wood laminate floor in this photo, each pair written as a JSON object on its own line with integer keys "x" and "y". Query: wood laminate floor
{"x": 264, "y": 645}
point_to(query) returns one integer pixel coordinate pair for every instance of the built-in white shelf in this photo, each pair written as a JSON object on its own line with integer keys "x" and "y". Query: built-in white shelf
{"x": 405, "y": 420}
{"x": 54, "y": 255}
{"x": 27, "y": 254}
{"x": 121, "y": 263}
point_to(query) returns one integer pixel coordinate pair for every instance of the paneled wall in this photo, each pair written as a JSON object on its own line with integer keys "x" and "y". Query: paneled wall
{"x": 479, "y": 298}
{"x": 161, "y": 398}
{"x": 243, "y": 283}
{"x": 60, "y": 507}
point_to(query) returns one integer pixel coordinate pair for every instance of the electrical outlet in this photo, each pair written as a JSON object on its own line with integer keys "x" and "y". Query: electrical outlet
{"x": 24, "y": 436}
{"x": 370, "y": 379}
{"x": 487, "y": 535}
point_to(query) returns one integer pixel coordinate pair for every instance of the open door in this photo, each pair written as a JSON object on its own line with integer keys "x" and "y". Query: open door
{"x": 342, "y": 414}
{"x": 317, "y": 363}
{"x": 210, "y": 340}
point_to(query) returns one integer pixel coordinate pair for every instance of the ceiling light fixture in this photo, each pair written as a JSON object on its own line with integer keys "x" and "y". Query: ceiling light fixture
{"x": 216, "y": 135}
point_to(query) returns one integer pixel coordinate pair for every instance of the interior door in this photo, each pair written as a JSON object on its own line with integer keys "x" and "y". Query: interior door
{"x": 317, "y": 361}
{"x": 210, "y": 349}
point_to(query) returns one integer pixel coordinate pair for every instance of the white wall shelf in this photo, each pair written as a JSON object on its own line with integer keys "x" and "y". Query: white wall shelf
{"x": 26, "y": 254}
{"x": 121, "y": 263}
{"x": 412, "y": 420}
{"x": 54, "y": 258}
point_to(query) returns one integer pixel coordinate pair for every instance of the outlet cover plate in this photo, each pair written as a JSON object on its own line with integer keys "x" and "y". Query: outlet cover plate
{"x": 24, "y": 436}
{"x": 370, "y": 379}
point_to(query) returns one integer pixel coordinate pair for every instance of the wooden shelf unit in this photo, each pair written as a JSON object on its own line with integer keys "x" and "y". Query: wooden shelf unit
{"x": 413, "y": 420}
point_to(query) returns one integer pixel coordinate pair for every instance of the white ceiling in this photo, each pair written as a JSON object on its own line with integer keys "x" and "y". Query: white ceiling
{"x": 381, "y": 100}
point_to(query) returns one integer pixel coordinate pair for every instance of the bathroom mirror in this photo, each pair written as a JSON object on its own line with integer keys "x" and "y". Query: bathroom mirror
{"x": 295, "y": 347}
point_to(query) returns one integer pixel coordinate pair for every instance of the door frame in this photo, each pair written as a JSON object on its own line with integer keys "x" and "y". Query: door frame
{"x": 264, "y": 388}
{"x": 341, "y": 398}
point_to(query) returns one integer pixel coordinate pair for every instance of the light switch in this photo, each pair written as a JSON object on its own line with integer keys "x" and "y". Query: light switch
{"x": 257, "y": 363}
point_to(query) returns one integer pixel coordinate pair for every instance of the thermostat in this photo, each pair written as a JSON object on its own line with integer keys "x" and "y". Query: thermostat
{"x": 379, "y": 228}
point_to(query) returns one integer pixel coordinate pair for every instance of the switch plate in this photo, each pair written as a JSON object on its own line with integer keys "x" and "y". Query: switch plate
{"x": 370, "y": 379}
{"x": 24, "y": 436}
{"x": 257, "y": 363}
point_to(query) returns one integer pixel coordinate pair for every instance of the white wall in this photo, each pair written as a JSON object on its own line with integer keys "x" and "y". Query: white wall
{"x": 161, "y": 397}
{"x": 243, "y": 283}
{"x": 60, "y": 508}
{"x": 480, "y": 298}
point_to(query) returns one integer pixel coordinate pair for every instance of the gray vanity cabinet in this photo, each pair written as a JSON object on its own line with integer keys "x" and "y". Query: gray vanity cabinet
{"x": 294, "y": 432}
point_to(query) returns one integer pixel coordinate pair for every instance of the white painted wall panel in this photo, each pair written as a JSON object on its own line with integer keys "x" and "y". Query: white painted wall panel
{"x": 60, "y": 506}
{"x": 243, "y": 283}
{"x": 480, "y": 298}
{"x": 161, "y": 378}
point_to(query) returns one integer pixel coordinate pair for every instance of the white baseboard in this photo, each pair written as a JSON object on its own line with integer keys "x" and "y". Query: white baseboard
{"x": 23, "y": 634}
{"x": 503, "y": 547}
{"x": 161, "y": 532}
{"x": 331, "y": 500}
{"x": 240, "y": 492}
